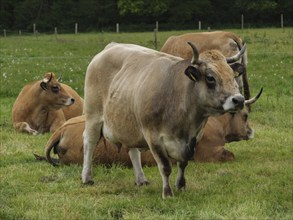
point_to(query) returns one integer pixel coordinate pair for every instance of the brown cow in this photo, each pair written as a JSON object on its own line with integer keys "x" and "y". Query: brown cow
{"x": 39, "y": 106}
{"x": 67, "y": 142}
{"x": 226, "y": 42}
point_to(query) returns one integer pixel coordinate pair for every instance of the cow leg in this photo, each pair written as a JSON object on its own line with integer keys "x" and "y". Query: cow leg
{"x": 180, "y": 181}
{"x": 135, "y": 158}
{"x": 165, "y": 168}
{"x": 24, "y": 127}
{"x": 91, "y": 136}
{"x": 226, "y": 156}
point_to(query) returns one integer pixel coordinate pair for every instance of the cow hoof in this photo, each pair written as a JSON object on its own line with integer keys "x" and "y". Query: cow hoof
{"x": 167, "y": 193}
{"x": 89, "y": 183}
{"x": 34, "y": 132}
{"x": 142, "y": 183}
{"x": 180, "y": 184}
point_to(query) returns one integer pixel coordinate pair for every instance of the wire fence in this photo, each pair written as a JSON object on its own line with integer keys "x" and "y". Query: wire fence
{"x": 197, "y": 25}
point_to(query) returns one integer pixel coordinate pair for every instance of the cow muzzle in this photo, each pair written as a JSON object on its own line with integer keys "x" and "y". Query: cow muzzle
{"x": 69, "y": 101}
{"x": 250, "y": 133}
{"x": 234, "y": 103}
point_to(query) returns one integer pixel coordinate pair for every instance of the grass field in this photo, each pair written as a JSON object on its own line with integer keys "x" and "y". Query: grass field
{"x": 257, "y": 185}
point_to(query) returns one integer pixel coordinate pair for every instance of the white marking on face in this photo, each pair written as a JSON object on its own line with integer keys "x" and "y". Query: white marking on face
{"x": 69, "y": 101}
{"x": 230, "y": 104}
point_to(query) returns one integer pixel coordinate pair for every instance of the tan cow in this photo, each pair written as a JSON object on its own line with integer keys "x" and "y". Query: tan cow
{"x": 67, "y": 142}
{"x": 226, "y": 42}
{"x": 142, "y": 98}
{"x": 45, "y": 105}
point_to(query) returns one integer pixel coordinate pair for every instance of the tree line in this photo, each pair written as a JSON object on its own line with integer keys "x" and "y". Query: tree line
{"x": 139, "y": 15}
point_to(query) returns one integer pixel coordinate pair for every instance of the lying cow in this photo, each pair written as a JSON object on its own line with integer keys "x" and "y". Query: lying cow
{"x": 138, "y": 97}
{"x": 39, "y": 106}
{"x": 226, "y": 42}
{"x": 67, "y": 142}
{"x": 223, "y": 129}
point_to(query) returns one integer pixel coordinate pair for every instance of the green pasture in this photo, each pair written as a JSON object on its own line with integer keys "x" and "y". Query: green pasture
{"x": 257, "y": 185}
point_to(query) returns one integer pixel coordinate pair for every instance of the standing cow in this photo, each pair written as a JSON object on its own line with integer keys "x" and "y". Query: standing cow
{"x": 226, "y": 42}
{"x": 142, "y": 98}
{"x": 39, "y": 106}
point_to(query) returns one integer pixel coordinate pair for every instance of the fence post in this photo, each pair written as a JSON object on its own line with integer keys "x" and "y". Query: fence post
{"x": 199, "y": 25}
{"x": 55, "y": 32}
{"x": 19, "y": 32}
{"x": 4, "y": 32}
{"x": 34, "y": 29}
{"x": 155, "y": 38}
{"x": 242, "y": 21}
{"x": 157, "y": 25}
{"x": 117, "y": 27}
{"x": 282, "y": 21}
{"x": 76, "y": 26}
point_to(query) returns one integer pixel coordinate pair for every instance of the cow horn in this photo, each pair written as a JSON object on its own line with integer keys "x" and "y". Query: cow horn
{"x": 254, "y": 99}
{"x": 236, "y": 56}
{"x": 50, "y": 77}
{"x": 195, "y": 58}
{"x": 59, "y": 78}
{"x": 46, "y": 80}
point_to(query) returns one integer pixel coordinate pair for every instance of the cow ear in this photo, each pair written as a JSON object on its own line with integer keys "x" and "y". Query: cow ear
{"x": 192, "y": 73}
{"x": 238, "y": 69}
{"x": 44, "y": 85}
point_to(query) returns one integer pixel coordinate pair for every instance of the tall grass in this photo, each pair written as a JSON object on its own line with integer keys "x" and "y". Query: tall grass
{"x": 257, "y": 185}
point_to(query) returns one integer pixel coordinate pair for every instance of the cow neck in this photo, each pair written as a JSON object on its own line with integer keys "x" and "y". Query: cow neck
{"x": 224, "y": 122}
{"x": 218, "y": 127}
{"x": 181, "y": 97}
{"x": 39, "y": 107}
{"x": 177, "y": 89}
{"x": 43, "y": 114}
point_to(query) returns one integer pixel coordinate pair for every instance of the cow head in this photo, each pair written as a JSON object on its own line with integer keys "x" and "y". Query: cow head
{"x": 53, "y": 95}
{"x": 215, "y": 80}
{"x": 238, "y": 127}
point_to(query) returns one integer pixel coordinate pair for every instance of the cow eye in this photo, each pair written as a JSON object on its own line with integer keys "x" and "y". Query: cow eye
{"x": 211, "y": 81}
{"x": 55, "y": 89}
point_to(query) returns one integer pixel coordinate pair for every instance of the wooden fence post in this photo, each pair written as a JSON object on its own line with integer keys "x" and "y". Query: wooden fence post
{"x": 117, "y": 27}
{"x": 155, "y": 38}
{"x": 157, "y": 25}
{"x": 76, "y": 28}
{"x": 242, "y": 21}
{"x": 55, "y": 32}
{"x": 282, "y": 21}
{"x": 4, "y": 32}
{"x": 199, "y": 25}
{"x": 34, "y": 29}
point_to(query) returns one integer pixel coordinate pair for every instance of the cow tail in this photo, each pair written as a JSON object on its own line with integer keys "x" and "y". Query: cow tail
{"x": 52, "y": 144}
